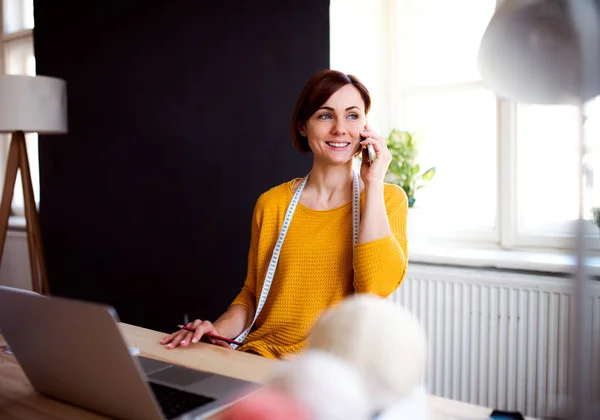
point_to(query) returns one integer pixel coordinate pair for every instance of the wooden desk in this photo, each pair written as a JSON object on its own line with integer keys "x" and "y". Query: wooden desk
{"x": 19, "y": 401}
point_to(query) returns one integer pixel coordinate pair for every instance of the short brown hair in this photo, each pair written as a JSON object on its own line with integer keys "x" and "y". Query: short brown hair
{"x": 315, "y": 93}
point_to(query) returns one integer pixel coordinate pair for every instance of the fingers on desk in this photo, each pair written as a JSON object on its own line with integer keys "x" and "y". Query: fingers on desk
{"x": 203, "y": 327}
{"x": 178, "y": 337}
{"x": 185, "y": 338}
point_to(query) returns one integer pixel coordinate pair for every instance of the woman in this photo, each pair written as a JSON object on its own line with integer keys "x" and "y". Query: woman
{"x": 332, "y": 247}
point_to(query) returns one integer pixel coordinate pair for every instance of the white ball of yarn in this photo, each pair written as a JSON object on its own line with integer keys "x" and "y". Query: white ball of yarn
{"x": 323, "y": 383}
{"x": 382, "y": 340}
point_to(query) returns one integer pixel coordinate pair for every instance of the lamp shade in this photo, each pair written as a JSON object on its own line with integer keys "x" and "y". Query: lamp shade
{"x": 530, "y": 53}
{"x": 33, "y": 104}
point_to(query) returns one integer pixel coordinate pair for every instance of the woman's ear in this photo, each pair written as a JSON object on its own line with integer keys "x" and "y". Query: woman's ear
{"x": 302, "y": 128}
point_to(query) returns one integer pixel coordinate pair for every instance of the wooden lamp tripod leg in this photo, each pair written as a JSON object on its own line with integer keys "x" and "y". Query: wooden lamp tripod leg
{"x": 12, "y": 166}
{"x": 34, "y": 236}
{"x": 17, "y": 159}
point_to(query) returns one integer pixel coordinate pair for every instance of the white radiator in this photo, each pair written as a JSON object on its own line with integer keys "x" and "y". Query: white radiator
{"x": 497, "y": 339}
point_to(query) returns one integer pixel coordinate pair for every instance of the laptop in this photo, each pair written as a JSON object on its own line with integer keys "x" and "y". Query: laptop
{"x": 74, "y": 351}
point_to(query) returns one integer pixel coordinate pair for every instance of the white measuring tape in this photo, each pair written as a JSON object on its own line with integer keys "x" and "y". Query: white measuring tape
{"x": 286, "y": 223}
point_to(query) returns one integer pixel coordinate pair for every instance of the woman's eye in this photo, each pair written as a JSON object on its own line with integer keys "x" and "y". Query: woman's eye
{"x": 353, "y": 116}
{"x": 324, "y": 117}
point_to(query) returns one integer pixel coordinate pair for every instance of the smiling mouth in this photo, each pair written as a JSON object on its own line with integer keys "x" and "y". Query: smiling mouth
{"x": 337, "y": 145}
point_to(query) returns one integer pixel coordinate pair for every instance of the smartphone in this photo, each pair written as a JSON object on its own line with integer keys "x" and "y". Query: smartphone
{"x": 371, "y": 152}
{"x": 506, "y": 415}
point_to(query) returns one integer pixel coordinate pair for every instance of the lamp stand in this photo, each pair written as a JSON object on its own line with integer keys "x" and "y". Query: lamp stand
{"x": 17, "y": 159}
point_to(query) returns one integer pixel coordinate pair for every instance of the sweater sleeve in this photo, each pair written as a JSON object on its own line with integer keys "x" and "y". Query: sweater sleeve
{"x": 247, "y": 296}
{"x": 380, "y": 265}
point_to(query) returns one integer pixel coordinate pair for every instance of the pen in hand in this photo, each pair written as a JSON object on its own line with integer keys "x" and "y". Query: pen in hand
{"x": 217, "y": 337}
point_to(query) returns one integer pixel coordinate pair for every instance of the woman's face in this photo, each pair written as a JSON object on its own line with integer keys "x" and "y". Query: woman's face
{"x": 333, "y": 131}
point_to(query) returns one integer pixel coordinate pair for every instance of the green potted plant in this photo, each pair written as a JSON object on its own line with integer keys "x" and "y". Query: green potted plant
{"x": 404, "y": 170}
{"x": 596, "y": 216}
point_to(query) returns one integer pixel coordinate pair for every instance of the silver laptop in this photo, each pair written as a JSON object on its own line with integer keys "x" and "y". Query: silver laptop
{"x": 74, "y": 351}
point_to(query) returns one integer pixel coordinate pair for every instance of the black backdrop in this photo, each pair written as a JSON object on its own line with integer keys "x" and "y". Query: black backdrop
{"x": 179, "y": 118}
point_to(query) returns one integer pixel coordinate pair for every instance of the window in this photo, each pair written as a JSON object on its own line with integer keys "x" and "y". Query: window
{"x": 506, "y": 174}
{"x": 546, "y": 174}
{"x": 17, "y": 57}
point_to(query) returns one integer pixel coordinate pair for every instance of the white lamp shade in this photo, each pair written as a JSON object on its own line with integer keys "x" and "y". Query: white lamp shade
{"x": 530, "y": 53}
{"x": 34, "y": 104}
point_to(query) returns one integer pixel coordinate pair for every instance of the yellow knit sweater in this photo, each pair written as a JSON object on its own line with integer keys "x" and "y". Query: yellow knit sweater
{"x": 315, "y": 268}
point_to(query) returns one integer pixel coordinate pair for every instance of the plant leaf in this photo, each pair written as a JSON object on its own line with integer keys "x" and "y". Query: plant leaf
{"x": 404, "y": 169}
{"x": 428, "y": 174}
{"x": 596, "y": 215}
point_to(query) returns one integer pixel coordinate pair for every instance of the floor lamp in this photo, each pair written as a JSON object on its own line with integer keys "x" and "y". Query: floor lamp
{"x": 548, "y": 52}
{"x": 28, "y": 104}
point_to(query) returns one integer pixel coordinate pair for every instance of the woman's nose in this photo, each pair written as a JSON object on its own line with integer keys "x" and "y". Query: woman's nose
{"x": 340, "y": 127}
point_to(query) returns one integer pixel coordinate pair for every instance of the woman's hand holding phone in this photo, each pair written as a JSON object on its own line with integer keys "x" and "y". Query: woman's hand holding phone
{"x": 371, "y": 153}
{"x": 376, "y": 156}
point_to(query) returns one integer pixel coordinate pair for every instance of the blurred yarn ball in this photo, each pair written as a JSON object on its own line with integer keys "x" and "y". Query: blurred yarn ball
{"x": 384, "y": 342}
{"x": 324, "y": 384}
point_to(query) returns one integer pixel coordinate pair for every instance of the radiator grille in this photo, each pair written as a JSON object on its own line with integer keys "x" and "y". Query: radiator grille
{"x": 498, "y": 339}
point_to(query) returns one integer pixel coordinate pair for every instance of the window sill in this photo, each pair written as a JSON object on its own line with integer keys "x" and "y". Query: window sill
{"x": 530, "y": 261}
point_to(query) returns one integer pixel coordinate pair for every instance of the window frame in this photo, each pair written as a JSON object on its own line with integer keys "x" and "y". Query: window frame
{"x": 482, "y": 237}
{"x": 511, "y": 237}
{"x": 506, "y": 234}
{"x": 17, "y": 37}
{"x": 396, "y": 111}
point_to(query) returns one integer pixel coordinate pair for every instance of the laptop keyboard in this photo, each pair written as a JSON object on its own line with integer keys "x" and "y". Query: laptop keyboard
{"x": 175, "y": 402}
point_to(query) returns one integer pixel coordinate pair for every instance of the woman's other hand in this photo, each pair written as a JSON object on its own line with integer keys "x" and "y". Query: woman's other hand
{"x": 185, "y": 338}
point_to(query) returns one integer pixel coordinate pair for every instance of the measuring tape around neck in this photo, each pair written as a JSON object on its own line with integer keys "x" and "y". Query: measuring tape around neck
{"x": 284, "y": 228}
